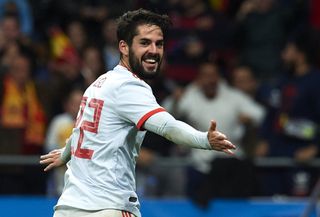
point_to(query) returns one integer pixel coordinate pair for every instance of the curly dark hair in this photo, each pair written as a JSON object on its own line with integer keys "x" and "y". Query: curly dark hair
{"x": 128, "y": 23}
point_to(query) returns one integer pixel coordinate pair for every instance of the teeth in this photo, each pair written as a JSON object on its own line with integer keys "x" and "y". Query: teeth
{"x": 150, "y": 61}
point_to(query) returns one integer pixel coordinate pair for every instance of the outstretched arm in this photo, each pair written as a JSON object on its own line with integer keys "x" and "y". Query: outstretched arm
{"x": 179, "y": 132}
{"x": 57, "y": 157}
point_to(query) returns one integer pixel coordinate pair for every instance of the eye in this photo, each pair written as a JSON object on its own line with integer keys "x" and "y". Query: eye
{"x": 159, "y": 44}
{"x": 144, "y": 42}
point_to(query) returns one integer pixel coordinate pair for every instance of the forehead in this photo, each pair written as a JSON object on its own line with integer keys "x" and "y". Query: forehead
{"x": 20, "y": 61}
{"x": 148, "y": 31}
{"x": 207, "y": 69}
{"x": 242, "y": 72}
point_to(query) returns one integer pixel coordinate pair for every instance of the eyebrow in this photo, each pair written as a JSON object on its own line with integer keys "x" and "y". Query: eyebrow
{"x": 148, "y": 40}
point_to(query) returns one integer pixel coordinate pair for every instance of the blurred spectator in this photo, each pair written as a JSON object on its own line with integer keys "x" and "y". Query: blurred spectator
{"x": 20, "y": 9}
{"x": 59, "y": 130}
{"x": 72, "y": 66}
{"x": 198, "y": 33}
{"x": 21, "y": 109}
{"x": 8, "y": 52}
{"x": 94, "y": 12}
{"x": 13, "y": 41}
{"x": 291, "y": 128}
{"x": 92, "y": 64}
{"x": 66, "y": 59}
{"x": 16, "y": 25}
{"x": 64, "y": 68}
{"x": 10, "y": 27}
{"x": 170, "y": 103}
{"x": 77, "y": 34}
{"x": 184, "y": 58}
{"x": 22, "y": 125}
{"x": 262, "y": 31}
{"x": 243, "y": 79}
{"x": 111, "y": 54}
{"x": 69, "y": 68}
{"x": 91, "y": 12}
{"x": 210, "y": 98}
{"x": 193, "y": 14}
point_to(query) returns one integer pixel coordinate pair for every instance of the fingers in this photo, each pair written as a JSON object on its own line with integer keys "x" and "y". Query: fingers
{"x": 51, "y": 163}
{"x": 216, "y": 135}
{"x": 228, "y": 151}
{"x": 47, "y": 161}
{"x": 221, "y": 145}
{"x": 49, "y": 167}
{"x": 50, "y": 159}
{"x": 213, "y": 126}
{"x": 51, "y": 154}
{"x": 46, "y": 156}
{"x": 220, "y": 139}
{"x": 229, "y": 145}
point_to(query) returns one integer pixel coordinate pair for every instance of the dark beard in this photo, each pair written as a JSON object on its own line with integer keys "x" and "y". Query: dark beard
{"x": 289, "y": 68}
{"x": 138, "y": 69}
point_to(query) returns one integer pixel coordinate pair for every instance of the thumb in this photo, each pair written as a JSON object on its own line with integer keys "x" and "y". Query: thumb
{"x": 213, "y": 125}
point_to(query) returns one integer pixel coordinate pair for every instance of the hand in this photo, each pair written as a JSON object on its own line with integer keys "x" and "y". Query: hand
{"x": 146, "y": 157}
{"x": 306, "y": 153}
{"x": 219, "y": 141}
{"x": 245, "y": 119}
{"x": 261, "y": 149}
{"x": 52, "y": 159}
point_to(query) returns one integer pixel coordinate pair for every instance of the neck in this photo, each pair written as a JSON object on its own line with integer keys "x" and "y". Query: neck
{"x": 302, "y": 69}
{"x": 125, "y": 64}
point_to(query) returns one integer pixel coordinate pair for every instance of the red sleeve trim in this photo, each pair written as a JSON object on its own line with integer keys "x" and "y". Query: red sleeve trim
{"x": 148, "y": 115}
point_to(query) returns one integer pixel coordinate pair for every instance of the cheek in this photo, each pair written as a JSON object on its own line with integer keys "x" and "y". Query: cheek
{"x": 161, "y": 52}
{"x": 136, "y": 53}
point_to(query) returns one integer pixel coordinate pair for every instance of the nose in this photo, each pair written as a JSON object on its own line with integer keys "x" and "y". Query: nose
{"x": 153, "y": 48}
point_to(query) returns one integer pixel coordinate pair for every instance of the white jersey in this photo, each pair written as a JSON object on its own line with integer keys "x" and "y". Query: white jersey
{"x": 106, "y": 141}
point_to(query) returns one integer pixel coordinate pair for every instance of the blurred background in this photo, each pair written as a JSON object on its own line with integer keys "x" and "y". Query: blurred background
{"x": 251, "y": 65}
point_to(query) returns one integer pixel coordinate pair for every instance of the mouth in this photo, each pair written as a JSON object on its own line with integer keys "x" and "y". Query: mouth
{"x": 151, "y": 63}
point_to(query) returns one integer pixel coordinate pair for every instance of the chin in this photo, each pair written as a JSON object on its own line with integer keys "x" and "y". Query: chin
{"x": 149, "y": 75}
{"x": 146, "y": 74}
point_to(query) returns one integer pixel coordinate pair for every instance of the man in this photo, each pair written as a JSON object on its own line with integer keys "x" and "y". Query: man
{"x": 114, "y": 112}
{"x": 291, "y": 127}
{"x": 210, "y": 175}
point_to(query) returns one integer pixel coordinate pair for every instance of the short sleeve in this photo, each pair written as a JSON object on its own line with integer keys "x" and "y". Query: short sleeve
{"x": 136, "y": 102}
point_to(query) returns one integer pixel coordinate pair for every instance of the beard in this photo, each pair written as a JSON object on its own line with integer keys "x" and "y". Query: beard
{"x": 289, "y": 68}
{"x": 139, "y": 70}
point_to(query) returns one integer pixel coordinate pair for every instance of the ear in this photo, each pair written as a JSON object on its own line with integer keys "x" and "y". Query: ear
{"x": 123, "y": 48}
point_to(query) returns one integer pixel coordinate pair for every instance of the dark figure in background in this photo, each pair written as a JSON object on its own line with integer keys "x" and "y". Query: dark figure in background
{"x": 262, "y": 29}
{"x": 291, "y": 128}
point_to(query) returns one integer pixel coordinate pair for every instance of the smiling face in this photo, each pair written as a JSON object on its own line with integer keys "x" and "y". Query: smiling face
{"x": 144, "y": 56}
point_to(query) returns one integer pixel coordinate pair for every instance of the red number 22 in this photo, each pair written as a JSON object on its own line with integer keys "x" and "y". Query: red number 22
{"x": 90, "y": 126}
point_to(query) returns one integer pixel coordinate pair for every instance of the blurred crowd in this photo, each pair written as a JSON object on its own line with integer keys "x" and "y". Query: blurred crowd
{"x": 251, "y": 65}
